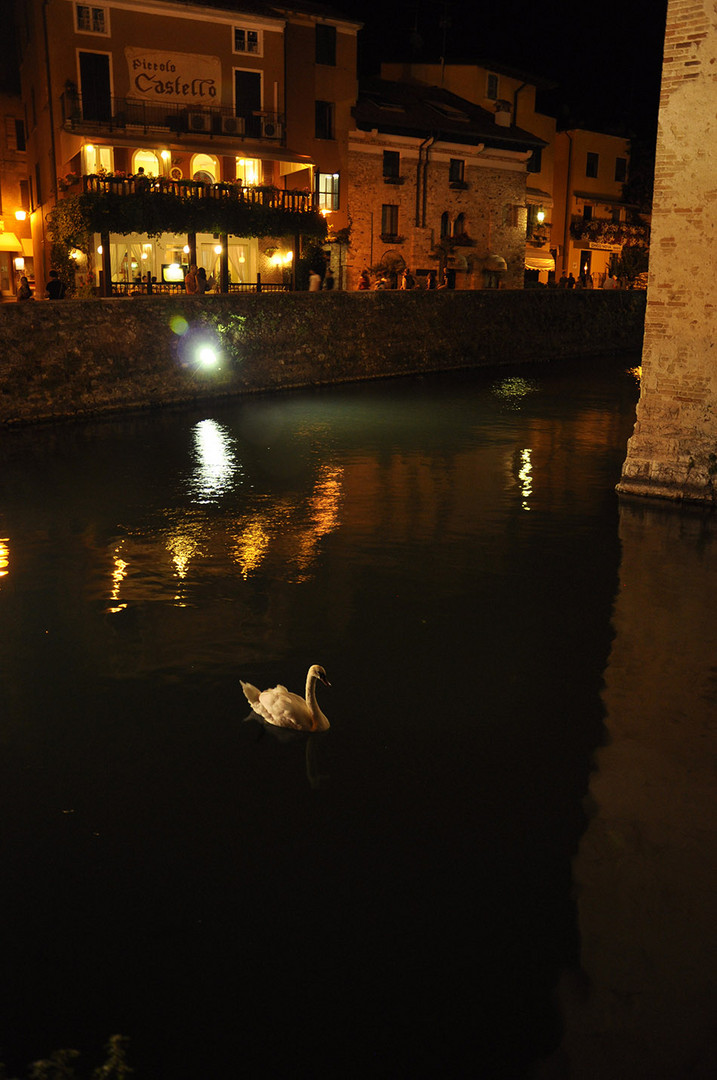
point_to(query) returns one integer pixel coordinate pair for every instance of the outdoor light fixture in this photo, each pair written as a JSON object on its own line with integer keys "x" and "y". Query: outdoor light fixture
{"x": 19, "y": 262}
{"x": 75, "y": 254}
{"x": 20, "y": 215}
{"x": 165, "y": 155}
{"x": 218, "y": 249}
{"x": 206, "y": 356}
{"x": 99, "y": 250}
{"x": 540, "y": 216}
{"x": 185, "y": 249}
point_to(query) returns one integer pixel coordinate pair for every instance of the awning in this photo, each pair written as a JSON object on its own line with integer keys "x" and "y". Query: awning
{"x": 495, "y": 263}
{"x": 9, "y": 242}
{"x": 539, "y": 262}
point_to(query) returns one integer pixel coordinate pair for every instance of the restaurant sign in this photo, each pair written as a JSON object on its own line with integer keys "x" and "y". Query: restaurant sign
{"x": 182, "y": 78}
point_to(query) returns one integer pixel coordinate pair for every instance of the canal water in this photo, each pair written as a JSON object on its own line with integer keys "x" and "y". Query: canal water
{"x": 495, "y": 863}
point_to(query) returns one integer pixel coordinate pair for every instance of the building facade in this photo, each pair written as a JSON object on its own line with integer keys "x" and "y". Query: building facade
{"x": 591, "y": 219}
{"x": 16, "y": 253}
{"x": 438, "y": 184}
{"x": 242, "y": 114}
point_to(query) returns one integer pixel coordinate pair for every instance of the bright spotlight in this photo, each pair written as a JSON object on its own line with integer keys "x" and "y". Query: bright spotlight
{"x": 206, "y": 356}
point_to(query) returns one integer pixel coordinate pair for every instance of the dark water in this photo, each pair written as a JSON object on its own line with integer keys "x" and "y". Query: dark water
{"x": 392, "y": 898}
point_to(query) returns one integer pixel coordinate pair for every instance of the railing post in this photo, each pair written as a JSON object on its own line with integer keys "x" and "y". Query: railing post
{"x": 258, "y": 282}
{"x": 192, "y": 245}
{"x": 224, "y": 263}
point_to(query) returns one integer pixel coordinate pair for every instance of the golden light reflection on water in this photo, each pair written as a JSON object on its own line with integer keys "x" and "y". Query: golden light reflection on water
{"x": 288, "y": 528}
{"x": 119, "y": 573}
{"x": 4, "y": 557}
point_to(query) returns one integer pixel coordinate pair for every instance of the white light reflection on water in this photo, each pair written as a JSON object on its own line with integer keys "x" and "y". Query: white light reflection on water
{"x": 525, "y": 477}
{"x": 216, "y": 463}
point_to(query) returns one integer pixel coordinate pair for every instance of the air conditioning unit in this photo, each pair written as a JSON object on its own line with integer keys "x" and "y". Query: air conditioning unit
{"x": 199, "y": 121}
{"x": 270, "y": 129}
{"x": 233, "y": 125}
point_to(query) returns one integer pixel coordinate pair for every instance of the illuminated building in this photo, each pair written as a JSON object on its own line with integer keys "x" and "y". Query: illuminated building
{"x": 161, "y": 100}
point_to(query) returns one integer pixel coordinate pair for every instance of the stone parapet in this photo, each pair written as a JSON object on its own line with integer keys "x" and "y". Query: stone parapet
{"x": 78, "y": 358}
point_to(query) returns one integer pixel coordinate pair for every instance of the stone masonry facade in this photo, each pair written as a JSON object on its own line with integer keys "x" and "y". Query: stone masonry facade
{"x": 491, "y": 202}
{"x": 673, "y": 451}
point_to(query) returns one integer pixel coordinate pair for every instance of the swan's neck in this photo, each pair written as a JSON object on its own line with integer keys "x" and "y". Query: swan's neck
{"x": 318, "y": 720}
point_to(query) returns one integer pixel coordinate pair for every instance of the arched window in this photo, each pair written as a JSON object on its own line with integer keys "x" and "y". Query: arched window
{"x": 204, "y": 167}
{"x": 147, "y": 160}
{"x": 445, "y": 225}
{"x": 459, "y": 225}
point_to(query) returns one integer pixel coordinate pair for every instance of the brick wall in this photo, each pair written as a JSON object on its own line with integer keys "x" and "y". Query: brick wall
{"x": 673, "y": 451}
{"x": 79, "y": 357}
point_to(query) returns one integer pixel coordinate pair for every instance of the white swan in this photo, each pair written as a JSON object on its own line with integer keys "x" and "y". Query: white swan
{"x": 278, "y": 706}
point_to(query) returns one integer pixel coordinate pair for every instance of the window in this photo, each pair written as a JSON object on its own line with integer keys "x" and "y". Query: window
{"x": 25, "y": 195}
{"x": 95, "y": 86}
{"x": 535, "y": 161}
{"x": 616, "y": 215}
{"x": 591, "y": 164}
{"x": 455, "y": 170}
{"x": 587, "y": 213}
{"x": 324, "y": 120}
{"x": 90, "y": 19}
{"x": 492, "y": 87}
{"x": 14, "y": 133}
{"x": 100, "y": 159}
{"x": 248, "y": 171}
{"x": 247, "y": 100}
{"x": 247, "y": 41}
{"x": 391, "y": 164}
{"x": 328, "y": 191}
{"x": 325, "y": 44}
{"x": 389, "y": 220}
{"x": 204, "y": 167}
{"x": 459, "y": 225}
{"x": 146, "y": 160}
{"x": 445, "y": 225}
{"x": 621, "y": 169}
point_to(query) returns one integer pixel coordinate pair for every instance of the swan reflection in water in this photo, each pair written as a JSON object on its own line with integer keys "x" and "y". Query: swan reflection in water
{"x": 290, "y": 717}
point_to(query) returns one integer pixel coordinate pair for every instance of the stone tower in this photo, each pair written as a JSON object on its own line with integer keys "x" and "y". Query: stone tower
{"x": 673, "y": 451}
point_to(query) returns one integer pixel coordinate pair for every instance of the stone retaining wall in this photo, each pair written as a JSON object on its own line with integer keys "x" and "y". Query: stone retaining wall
{"x": 80, "y": 357}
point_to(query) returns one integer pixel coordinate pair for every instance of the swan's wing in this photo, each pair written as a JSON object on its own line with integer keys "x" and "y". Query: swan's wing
{"x": 279, "y": 706}
{"x": 250, "y": 692}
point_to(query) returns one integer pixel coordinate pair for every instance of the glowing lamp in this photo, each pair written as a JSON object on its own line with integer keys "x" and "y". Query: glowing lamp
{"x": 99, "y": 250}
{"x": 173, "y": 272}
{"x": 540, "y": 216}
{"x": 206, "y": 356}
{"x": 20, "y": 215}
{"x": 19, "y": 262}
{"x": 218, "y": 249}
{"x": 165, "y": 155}
{"x": 185, "y": 249}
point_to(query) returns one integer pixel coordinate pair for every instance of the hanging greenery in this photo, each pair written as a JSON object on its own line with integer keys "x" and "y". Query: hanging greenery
{"x": 76, "y": 218}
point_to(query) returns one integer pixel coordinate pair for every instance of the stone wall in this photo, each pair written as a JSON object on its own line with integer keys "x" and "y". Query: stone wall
{"x": 492, "y": 203}
{"x": 79, "y": 357}
{"x": 673, "y": 452}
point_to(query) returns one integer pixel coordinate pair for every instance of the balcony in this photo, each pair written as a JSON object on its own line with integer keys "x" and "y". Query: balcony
{"x": 268, "y": 198}
{"x": 110, "y": 115}
{"x": 601, "y": 230}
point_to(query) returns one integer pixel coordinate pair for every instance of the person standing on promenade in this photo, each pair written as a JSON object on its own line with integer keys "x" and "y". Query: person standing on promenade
{"x": 314, "y": 281}
{"x": 55, "y": 287}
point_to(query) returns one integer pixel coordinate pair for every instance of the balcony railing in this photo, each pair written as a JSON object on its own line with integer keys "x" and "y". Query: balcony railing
{"x": 111, "y": 114}
{"x": 609, "y": 232}
{"x": 300, "y": 202}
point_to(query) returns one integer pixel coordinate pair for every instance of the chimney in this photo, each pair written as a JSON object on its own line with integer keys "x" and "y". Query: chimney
{"x": 502, "y": 113}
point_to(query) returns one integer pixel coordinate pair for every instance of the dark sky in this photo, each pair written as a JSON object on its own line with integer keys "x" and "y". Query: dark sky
{"x": 607, "y": 56}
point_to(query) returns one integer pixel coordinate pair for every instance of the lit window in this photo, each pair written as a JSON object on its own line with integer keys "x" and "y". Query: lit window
{"x": 328, "y": 190}
{"x": 91, "y": 19}
{"x": 247, "y": 41}
{"x": 248, "y": 171}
